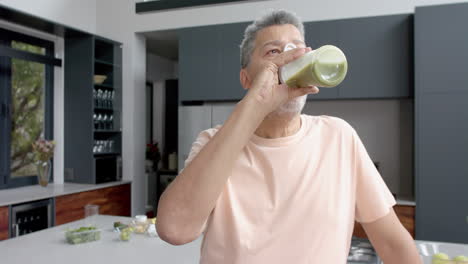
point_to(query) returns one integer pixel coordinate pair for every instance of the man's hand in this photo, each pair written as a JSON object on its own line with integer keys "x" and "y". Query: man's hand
{"x": 266, "y": 89}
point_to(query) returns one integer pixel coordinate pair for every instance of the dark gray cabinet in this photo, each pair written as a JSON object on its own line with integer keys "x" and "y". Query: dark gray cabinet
{"x": 209, "y": 63}
{"x": 441, "y": 123}
{"x": 78, "y": 106}
{"x": 379, "y": 52}
{"x": 231, "y": 36}
{"x": 198, "y": 63}
{"x": 89, "y": 122}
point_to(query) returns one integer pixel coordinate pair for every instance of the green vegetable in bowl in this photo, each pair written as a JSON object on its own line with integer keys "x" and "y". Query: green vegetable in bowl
{"x": 82, "y": 235}
{"x": 125, "y": 234}
{"x": 119, "y": 225}
{"x": 461, "y": 259}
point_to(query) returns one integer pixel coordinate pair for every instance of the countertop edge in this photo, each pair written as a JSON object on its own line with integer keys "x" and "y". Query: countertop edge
{"x": 53, "y": 190}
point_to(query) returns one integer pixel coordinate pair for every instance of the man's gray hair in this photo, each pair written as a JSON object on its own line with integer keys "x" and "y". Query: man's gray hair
{"x": 275, "y": 17}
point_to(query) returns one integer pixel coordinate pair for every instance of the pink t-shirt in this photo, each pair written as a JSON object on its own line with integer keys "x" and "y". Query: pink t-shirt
{"x": 294, "y": 199}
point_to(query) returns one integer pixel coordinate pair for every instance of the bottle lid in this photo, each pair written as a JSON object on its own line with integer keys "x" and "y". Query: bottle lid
{"x": 141, "y": 218}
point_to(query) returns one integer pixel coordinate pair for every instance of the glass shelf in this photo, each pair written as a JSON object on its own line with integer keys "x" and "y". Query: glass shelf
{"x": 104, "y": 109}
{"x": 103, "y": 62}
{"x": 106, "y": 131}
{"x": 106, "y": 154}
{"x": 104, "y": 85}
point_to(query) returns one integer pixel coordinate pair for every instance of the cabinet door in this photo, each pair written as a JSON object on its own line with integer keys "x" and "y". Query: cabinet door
{"x": 221, "y": 112}
{"x": 198, "y": 63}
{"x": 441, "y": 42}
{"x": 4, "y": 219}
{"x": 318, "y": 34}
{"x": 441, "y": 167}
{"x": 78, "y": 109}
{"x": 112, "y": 201}
{"x": 379, "y": 54}
{"x": 441, "y": 122}
{"x": 229, "y": 86}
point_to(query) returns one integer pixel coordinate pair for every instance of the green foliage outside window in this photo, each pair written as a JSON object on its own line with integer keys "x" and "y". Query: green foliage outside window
{"x": 27, "y": 124}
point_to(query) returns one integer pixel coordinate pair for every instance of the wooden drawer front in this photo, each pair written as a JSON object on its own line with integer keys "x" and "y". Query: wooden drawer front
{"x": 404, "y": 213}
{"x": 4, "y": 223}
{"x": 111, "y": 201}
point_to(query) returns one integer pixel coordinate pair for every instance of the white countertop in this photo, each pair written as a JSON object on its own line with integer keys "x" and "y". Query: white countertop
{"x": 405, "y": 201}
{"x": 49, "y": 247}
{"x": 37, "y": 192}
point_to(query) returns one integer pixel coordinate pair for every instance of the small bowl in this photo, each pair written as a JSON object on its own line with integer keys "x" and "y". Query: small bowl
{"x": 99, "y": 79}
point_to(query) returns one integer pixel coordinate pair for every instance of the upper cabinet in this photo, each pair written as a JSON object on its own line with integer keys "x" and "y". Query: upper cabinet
{"x": 209, "y": 63}
{"x": 379, "y": 52}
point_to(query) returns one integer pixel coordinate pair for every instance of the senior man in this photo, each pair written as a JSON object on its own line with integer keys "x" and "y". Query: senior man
{"x": 273, "y": 186}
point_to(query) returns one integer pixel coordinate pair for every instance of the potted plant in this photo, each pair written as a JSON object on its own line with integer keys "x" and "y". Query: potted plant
{"x": 43, "y": 153}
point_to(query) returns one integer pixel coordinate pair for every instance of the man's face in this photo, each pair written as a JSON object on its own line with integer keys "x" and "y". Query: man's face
{"x": 269, "y": 43}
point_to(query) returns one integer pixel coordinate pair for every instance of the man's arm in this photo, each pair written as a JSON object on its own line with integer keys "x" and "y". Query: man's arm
{"x": 392, "y": 241}
{"x": 189, "y": 200}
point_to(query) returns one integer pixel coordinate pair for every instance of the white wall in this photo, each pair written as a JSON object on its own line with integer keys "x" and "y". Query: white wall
{"x": 159, "y": 69}
{"x": 77, "y": 14}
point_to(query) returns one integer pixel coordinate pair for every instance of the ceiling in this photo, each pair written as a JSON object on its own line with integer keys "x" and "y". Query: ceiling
{"x": 163, "y": 43}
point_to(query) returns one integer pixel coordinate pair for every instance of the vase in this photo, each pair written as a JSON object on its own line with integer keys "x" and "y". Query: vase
{"x": 43, "y": 172}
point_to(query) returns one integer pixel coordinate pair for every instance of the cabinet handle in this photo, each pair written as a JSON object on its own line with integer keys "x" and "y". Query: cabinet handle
{"x": 15, "y": 230}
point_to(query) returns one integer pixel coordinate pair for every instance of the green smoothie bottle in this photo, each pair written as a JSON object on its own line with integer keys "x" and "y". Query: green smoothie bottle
{"x": 323, "y": 67}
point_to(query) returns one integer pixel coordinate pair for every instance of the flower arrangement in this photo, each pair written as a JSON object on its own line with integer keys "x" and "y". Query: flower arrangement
{"x": 43, "y": 152}
{"x": 44, "y": 149}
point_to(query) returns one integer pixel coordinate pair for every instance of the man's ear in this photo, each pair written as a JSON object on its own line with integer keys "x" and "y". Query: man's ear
{"x": 244, "y": 79}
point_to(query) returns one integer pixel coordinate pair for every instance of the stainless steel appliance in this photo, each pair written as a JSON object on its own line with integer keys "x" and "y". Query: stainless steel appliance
{"x": 30, "y": 217}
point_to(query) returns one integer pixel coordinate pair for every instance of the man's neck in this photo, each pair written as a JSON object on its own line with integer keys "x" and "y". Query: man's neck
{"x": 276, "y": 126}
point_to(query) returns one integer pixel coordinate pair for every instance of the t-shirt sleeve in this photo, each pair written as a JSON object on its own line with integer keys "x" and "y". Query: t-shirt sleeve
{"x": 373, "y": 198}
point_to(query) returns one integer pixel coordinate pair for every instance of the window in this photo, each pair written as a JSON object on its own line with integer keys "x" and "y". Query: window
{"x": 26, "y": 104}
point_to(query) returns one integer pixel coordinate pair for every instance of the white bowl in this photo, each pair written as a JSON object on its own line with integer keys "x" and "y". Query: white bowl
{"x": 99, "y": 79}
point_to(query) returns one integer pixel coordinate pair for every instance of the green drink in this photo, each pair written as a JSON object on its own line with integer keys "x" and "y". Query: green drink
{"x": 323, "y": 67}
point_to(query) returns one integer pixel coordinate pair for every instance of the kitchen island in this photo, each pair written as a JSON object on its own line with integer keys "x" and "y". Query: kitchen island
{"x": 50, "y": 247}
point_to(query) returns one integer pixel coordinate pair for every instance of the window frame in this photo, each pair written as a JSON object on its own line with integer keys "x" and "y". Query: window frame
{"x": 6, "y": 54}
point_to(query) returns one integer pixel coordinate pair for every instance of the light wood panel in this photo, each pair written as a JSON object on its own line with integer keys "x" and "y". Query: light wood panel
{"x": 112, "y": 201}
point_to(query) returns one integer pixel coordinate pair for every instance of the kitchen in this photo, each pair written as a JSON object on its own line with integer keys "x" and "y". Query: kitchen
{"x": 399, "y": 108}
